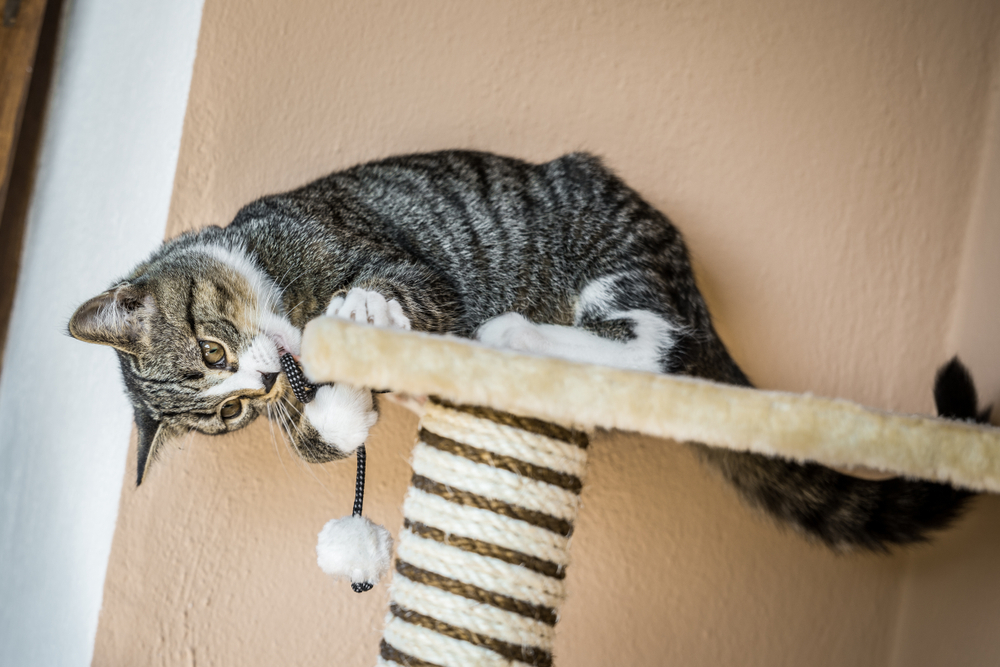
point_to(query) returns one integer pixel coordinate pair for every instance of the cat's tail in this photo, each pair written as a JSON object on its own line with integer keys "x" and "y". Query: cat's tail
{"x": 955, "y": 394}
{"x": 846, "y": 512}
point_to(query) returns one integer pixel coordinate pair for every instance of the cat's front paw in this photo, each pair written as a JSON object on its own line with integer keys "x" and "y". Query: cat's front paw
{"x": 363, "y": 305}
{"x": 342, "y": 415}
{"x": 513, "y": 332}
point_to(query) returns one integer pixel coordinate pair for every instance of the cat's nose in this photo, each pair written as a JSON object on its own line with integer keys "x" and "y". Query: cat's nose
{"x": 268, "y": 379}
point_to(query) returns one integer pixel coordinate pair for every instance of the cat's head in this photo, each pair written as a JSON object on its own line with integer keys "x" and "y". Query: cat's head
{"x": 199, "y": 330}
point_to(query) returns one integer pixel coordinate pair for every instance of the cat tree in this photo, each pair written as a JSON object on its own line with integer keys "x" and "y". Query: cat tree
{"x": 500, "y": 459}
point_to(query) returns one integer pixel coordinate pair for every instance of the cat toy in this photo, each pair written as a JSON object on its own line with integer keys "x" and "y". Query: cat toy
{"x": 352, "y": 547}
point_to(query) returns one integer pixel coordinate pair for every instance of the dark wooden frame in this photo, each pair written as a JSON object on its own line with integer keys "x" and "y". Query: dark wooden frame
{"x": 28, "y": 39}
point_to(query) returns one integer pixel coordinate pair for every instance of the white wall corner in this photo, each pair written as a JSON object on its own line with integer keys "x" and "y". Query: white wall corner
{"x": 975, "y": 317}
{"x": 955, "y": 577}
{"x": 101, "y": 199}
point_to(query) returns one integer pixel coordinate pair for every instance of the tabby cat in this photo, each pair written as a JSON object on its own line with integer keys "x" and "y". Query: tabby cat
{"x": 559, "y": 258}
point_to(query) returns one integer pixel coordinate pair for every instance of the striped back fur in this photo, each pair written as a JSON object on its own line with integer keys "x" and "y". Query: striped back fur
{"x": 457, "y": 239}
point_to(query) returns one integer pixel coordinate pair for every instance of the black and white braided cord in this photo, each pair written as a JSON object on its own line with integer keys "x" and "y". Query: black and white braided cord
{"x": 301, "y": 387}
{"x": 359, "y": 499}
{"x": 305, "y": 391}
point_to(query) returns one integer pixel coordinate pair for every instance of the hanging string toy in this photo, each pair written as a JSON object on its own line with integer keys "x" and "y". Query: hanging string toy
{"x": 352, "y": 547}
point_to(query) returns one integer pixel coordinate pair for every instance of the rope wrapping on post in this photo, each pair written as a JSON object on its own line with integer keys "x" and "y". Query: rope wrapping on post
{"x": 482, "y": 556}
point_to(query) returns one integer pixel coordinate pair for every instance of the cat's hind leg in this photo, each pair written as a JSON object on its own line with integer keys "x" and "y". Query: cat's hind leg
{"x": 608, "y": 330}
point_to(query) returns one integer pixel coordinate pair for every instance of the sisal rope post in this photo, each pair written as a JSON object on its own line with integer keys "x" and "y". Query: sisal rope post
{"x": 481, "y": 561}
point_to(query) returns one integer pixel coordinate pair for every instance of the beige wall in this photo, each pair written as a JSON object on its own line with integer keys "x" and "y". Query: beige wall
{"x": 820, "y": 159}
{"x": 950, "y": 608}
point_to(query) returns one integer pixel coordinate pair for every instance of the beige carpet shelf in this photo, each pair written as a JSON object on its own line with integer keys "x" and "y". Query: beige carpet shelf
{"x": 803, "y": 427}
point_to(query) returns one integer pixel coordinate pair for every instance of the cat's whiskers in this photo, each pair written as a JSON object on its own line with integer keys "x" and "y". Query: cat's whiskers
{"x": 280, "y": 413}
{"x": 301, "y": 273}
{"x": 288, "y": 424}
{"x": 281, "y": 290}
{"x": 285, "y": 420}
{"x": 279, "y": 280}
{"x": 274, "y": 442}
{"x": 308, "y": 467}
{"x": 296, "y": 408}
{"x": 295, "y": 422}
{"x": 292, "y": 309}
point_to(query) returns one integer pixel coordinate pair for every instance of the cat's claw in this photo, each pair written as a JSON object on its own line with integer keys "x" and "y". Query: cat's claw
{"x": 363, "y": 305}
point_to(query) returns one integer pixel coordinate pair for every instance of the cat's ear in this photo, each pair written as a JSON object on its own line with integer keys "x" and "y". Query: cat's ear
{"x": 152, "y": 436}
{"x": 117, "y": 318}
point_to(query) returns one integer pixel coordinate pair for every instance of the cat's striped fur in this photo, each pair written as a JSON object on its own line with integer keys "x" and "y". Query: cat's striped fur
{"x": 560, "y": 257}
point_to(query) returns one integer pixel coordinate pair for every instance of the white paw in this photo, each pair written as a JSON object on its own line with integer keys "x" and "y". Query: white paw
{"x": 363, "y": 305}
{"x": 342, "y": 415}
{"x": 514, "y": 332}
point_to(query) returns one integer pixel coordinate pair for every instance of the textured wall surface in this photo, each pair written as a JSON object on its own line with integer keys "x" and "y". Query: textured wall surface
{"x": 950, "y": 608}
{"x": 821, "y": 161}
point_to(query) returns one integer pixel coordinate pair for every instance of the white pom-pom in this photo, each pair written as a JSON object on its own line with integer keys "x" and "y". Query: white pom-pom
{"x": 355, "y": 548}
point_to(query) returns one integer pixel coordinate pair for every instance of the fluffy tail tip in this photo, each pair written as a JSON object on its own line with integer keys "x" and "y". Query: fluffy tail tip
{"x": 955, "y": 393}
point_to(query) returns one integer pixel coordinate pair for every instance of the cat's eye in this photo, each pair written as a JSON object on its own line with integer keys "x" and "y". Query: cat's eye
{"x": 231, "y": 408}
{"x": 212, "y": 353}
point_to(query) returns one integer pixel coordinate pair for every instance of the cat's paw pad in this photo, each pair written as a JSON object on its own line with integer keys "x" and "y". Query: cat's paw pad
{"x": 514, "y": 332}
{"x": 342, "y": 415}
{"x": 363, "y": 305}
